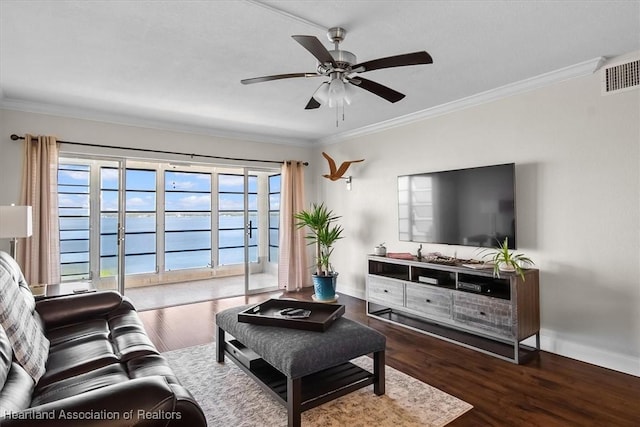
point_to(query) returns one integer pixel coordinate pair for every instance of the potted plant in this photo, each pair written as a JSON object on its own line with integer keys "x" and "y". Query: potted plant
{"x": 323, "y": 233}
{"x": 507, "y": 261}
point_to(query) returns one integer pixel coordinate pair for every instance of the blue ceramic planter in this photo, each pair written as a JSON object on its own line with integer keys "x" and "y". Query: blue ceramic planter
{"x": 325, "y": 287}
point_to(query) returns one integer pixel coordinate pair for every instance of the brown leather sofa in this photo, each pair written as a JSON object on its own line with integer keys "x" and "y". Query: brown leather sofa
{"x": 102, "y": 369}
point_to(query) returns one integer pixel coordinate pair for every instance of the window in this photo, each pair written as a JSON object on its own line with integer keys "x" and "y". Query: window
{"x": 187, "y": 220}
{"x": 74, "y": 210}
{"x": 175, "y": 218}
{"x": 140, "y": 221}
{"x": 274, "y": 217}
{"x": 231, "y": 219}
{"x": 109, "y": 182}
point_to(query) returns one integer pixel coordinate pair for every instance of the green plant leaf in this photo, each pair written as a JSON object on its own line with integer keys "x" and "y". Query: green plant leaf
{"x": 322, "y": 233}
{"x": 502, "y": 255}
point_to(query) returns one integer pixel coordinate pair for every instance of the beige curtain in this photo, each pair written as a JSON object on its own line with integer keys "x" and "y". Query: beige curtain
{"x": 292, "y": 260}
{"x": 39, "y": 256}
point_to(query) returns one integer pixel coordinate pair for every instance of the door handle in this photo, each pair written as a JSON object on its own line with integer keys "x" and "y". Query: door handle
{"x": 119, "y": 234}
{"x": 249, "y": 231}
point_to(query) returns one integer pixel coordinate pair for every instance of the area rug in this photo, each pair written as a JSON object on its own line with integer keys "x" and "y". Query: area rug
{"x": 229, "y": 397}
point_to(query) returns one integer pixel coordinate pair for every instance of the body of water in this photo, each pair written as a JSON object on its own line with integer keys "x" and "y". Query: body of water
{"x": 183, "y": 249}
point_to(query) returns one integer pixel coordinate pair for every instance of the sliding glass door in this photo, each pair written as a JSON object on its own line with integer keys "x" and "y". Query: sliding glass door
{"x": 90, "y": 224}
{"x": 134, "y": 225}
{"x": 261, "y": 273}
{"x": 247, "y": 232}
{"x": 187, "y": 220}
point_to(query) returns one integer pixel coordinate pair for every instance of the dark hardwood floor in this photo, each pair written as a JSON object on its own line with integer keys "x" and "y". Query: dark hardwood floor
{"x": 550, "y": 390}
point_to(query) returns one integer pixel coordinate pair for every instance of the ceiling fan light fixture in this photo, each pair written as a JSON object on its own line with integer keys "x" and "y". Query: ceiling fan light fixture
{"x": 339, "y": 67}
{"x": 349, "y": 92}
{"x": 336, "y": 92}
{"x": 322, "y": 93}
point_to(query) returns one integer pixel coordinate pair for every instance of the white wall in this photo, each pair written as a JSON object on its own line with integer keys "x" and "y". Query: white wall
{"x": 578, "y": 200}
{"x": 69, "y": 129}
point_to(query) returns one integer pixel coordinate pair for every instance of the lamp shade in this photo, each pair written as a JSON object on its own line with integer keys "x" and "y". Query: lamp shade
{"x": 336, "y": 93}
{"x": 15, "y": 221}
{"x": 322, "y": 94}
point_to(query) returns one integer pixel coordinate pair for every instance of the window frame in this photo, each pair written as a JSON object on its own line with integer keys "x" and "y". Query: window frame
{"x": 96, "y": 164}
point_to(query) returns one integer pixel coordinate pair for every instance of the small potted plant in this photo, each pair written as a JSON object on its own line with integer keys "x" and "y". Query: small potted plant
{"x": 507, "y": 261}
{"x": 323, "y": 234}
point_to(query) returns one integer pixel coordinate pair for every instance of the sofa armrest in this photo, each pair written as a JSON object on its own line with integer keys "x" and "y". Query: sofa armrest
{"x": 145, "y": 401}
{"x": 76, "y": 308}
{"x": 191, "y": 411}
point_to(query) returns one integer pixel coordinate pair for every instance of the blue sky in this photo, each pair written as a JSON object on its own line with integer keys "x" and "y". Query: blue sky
{"x": 184, "y": 191}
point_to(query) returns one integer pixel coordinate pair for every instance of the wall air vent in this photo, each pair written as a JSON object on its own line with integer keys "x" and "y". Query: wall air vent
{"x": 621, "y": 77}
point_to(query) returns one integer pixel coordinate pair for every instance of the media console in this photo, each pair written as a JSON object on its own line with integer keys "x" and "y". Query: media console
{"x": 459, "y": 304}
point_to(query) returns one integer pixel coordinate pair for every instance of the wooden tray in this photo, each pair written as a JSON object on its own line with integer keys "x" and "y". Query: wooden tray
{"x": 266, "y": 313}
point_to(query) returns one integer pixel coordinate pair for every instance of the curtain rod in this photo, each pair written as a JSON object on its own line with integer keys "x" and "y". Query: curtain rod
{"x": 15, "y": 137}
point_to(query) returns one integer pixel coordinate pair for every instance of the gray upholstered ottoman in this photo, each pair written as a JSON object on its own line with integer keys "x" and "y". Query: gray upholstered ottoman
{"x": 303, "y": 369}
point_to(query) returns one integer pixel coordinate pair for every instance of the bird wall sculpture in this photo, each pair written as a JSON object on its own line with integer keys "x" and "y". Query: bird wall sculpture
{"x": 336, "y": 173}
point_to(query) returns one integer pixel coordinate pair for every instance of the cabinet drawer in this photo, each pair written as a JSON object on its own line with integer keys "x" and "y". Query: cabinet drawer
{"x": 429, "y": 300}
{"x": 485, "y": 313}
{"x": 385, "y": 291}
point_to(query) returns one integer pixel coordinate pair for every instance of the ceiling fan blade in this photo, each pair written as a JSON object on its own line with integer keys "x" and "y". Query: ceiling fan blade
{"x": 414, "y": 58}
{"x": 277, "y": 77}
{"x": 312, "y": 104}
{"x": 377, "y": 89}
{"x": 316, "y": 48}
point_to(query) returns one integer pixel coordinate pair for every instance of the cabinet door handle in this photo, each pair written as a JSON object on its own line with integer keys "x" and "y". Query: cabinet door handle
{"x": 385, "y": 290}
{"x": 428, "y": 300}
{"x": 482, "y": 313}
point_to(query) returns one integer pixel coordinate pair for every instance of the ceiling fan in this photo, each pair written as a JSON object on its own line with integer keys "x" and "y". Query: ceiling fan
{"x": 342, "y": 69}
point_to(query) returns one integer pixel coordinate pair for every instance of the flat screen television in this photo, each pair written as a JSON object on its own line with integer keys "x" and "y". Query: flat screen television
{"x": 469, "y": 207}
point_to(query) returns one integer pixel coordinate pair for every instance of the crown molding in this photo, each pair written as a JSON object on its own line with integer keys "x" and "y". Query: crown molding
{"x": 577, "y": 70}
{"x": 131, "y": 120}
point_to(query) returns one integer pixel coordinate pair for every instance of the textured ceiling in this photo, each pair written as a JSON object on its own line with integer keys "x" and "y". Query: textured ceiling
{"x": 179, "y": 64}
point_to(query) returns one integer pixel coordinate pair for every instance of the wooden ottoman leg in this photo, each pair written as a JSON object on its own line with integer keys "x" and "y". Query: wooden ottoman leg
{"x": 220, "y": 344}
{"x": 294, "y": 400}
{"x": 378, "y": 372}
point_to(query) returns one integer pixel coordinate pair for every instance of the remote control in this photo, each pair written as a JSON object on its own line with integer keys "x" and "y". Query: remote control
{"x": 291, "y": 311}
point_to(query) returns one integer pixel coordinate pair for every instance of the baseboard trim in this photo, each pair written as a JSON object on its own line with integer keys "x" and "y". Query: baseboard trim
{"x": 550, "y": 342}
{"x": 353, "y": 292}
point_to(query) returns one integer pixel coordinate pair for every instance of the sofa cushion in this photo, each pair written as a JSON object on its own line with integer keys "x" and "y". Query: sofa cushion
{"x": 70, "y": 333}
{"x": 150, "y": 366}
{"x": 6, "y": 357}
{"x": 77, "y": 357}
{"x": 73, "y": 386}
{"x": 14, "y": 270}
{"x": 15, "y": 384}
{"x": 30, "y": 346}
{"x": 128, "y": 336}
{"x": 78, "y": 308}
{"x": 15, "y": 396}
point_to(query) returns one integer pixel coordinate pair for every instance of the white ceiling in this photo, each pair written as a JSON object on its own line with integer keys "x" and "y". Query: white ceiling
{"x": 178, "y": 64}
